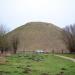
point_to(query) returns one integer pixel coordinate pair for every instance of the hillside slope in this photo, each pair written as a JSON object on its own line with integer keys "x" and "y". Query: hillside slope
{"x": 39, "y": 35}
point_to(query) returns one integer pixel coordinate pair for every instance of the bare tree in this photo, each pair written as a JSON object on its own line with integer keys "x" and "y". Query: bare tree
{"x": 69, "y": 37}
{"x": 3, "y": 39}
{"x": 15, "y": 42}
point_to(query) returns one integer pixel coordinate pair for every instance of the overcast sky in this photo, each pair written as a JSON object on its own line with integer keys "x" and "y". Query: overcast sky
{"x": 14, "y": 13}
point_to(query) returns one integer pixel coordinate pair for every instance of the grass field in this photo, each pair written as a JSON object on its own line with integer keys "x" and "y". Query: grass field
{"x": 36, "y": 64}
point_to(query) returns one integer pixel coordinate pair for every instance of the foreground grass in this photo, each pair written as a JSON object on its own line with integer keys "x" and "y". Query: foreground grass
{"x": 36, "y": 64}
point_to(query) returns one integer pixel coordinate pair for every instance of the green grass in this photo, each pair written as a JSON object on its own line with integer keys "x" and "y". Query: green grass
{"x": 37, "y": 64}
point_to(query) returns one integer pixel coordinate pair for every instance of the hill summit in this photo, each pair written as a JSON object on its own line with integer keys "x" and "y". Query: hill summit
{"x": 39, "y": 35}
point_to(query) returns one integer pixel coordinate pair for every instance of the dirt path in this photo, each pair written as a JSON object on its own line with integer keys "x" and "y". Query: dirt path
{"x": 72, "y": 59}
{"x": 2, "y": 60}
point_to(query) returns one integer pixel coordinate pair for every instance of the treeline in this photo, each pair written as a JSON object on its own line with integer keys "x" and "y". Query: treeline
{"x": 69, "y": 37}
{"x": 6, "y": 44}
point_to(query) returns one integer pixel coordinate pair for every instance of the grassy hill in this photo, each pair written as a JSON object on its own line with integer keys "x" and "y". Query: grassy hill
{"x": 39, "y": 35}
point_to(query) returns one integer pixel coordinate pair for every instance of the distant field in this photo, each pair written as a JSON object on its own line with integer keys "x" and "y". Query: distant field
{"x": 69, "y": 55}
{"x": 36, "y": 64}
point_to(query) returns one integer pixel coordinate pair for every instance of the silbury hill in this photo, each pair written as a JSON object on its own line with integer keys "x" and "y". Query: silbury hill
{"x": 39, "y": 35}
